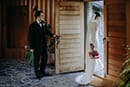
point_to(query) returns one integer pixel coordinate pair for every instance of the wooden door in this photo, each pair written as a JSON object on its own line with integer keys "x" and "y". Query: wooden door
{"x": 115, "y": 34}
{"x": 70, "y": 25}
{"x": 128, "y": 21}
{"x": 0, "y": 28}
{"x": 15, "y": 35}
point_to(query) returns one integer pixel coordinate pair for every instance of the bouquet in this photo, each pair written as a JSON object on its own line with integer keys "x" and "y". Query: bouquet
{"x": 29, "y": 56}
{"x": 93, "y": 53}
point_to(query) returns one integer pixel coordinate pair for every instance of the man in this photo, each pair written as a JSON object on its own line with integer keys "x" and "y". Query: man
{"x": 38, "y": 45}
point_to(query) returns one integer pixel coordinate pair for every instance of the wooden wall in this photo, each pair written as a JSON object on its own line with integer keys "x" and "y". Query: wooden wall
{"x": 0, "y": 28}
{"x": 47, "y": 6}
{"x": 128, "y": 20}
{"x": 116, "y": 35}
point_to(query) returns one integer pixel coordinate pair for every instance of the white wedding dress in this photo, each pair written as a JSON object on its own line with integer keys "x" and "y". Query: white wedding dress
{"x": 86, "y": 77}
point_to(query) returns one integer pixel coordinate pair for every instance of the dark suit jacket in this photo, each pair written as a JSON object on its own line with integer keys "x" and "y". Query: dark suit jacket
{"x": 36, "y": 35}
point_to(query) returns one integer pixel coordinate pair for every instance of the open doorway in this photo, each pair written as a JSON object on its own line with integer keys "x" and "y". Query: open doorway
{"x": 90, "y": 8}
{"x": 69, "y": 24}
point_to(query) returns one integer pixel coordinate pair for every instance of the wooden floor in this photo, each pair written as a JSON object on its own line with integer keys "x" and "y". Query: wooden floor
{"x": 108, "y": 81}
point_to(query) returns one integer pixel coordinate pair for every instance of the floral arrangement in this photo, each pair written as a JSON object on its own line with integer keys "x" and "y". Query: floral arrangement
{"x": 93, "y": 53}
{"x": 125, "y": 71}
{"x": 29, "y": 56}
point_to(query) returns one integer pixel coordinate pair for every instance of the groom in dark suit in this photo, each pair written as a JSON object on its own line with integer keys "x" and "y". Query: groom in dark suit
{"x": 38, "y": 45}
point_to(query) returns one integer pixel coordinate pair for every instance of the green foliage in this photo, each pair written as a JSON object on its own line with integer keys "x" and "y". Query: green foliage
{"x": 125, "y": 72}
{"x": 52, "y": 46}
{"x": 29, "y": 56}
{"x": 51, "y": 42}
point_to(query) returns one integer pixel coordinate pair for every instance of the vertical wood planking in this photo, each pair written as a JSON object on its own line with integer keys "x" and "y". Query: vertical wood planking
{"x": 116, "y": 30}
{"x": 29, "y": 5}
{"x": 48, "y": 12}
{"x": 57, "y": 67}
{"x": 4, "y": 24}
{"x": 47, "y": 6}
{"x": 45, "y": 10}
{"x": 21, "y": 2}
{"x": 25, "y": 2}
{"x": 33, "y": 5}
{"x": 43, "y": 6}
{"x": 39, "y": 4}
{"x": 128, "y": 21}
{"x": 17, "y": 2}
{"x": 53, "y": 15}
{"x": 30, "y": 11}
{"x": 0, "y": 28}
{"x": 105, "y": 35}
{"x": 4, "y": 27}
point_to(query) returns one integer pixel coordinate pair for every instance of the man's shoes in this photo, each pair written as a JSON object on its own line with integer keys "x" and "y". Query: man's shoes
{"x": 47, "y": 74}
{"x": 38, "y": 77}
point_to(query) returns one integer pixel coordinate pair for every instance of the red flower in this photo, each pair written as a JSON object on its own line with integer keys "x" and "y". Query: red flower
{"x": 94, "y": 54}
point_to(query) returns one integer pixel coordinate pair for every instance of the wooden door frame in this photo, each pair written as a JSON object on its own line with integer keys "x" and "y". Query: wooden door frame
{"x": 1, "y": 28}
{"x": 105, "y": 35}
{"x": 56, "y": 32}
{"x": 127, "y": 22}
{"x": 105, "y": 40}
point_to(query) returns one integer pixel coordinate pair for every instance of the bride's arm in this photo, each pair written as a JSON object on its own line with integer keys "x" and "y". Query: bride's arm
{"x": 93, "y": 17}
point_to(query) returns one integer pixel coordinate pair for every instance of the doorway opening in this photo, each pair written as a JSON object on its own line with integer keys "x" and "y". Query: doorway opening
{"x": 90, "y": 8}
{"x": 69, "y": 22}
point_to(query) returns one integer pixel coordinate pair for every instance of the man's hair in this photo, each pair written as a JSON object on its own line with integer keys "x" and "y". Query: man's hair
{"x": 97, "y": 15}
{"x": 37, "y": 12}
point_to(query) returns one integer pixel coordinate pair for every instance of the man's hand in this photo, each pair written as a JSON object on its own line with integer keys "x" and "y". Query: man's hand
{"x": 56, "y": 36}
{"x": 32, "y": 50}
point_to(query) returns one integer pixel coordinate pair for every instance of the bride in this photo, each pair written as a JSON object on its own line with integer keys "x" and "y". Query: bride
{"x": 86, "y": 77}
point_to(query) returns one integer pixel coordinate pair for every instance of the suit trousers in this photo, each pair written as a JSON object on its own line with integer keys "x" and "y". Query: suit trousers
{"x": 40, "y": 60}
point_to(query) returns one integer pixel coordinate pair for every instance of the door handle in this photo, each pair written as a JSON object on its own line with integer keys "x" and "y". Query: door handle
{"x": 106, "y": 39}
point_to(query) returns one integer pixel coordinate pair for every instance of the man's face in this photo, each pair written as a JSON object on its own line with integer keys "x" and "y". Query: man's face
{"x": 42, "y": 17}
